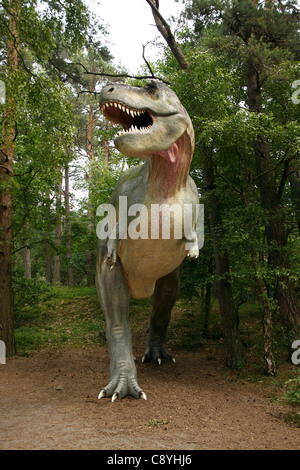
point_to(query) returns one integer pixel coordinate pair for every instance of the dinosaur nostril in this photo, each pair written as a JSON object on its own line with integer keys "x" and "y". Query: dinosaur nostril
{"x": 111, "y": 89}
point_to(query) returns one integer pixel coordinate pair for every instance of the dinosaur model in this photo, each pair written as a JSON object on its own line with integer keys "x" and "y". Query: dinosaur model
{"x": 157, "y": 129}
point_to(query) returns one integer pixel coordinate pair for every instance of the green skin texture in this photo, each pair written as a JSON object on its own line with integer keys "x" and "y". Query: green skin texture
{"x": 142, "y": 268}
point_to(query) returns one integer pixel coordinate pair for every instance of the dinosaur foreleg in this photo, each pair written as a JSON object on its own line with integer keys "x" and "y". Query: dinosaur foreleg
{"x": 114, "y": 294}
{"x": 163, "y": 299}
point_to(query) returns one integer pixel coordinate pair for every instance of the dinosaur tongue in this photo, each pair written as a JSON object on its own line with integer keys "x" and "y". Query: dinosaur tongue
{"x": 170, "y": 167}
{"x": 173, "y": 153}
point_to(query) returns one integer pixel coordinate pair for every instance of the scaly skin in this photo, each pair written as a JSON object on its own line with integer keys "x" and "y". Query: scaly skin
{"x": 158, "y": 130}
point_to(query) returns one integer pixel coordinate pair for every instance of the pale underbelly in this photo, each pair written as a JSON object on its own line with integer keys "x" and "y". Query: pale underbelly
{"x": 145, "y": 261}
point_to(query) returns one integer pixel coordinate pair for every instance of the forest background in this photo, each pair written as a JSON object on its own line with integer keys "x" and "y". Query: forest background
{"x": 235, "y": 67}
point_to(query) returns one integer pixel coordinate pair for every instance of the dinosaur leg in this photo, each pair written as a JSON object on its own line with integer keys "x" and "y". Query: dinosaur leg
{"x": 113, "y": 291}
{"x": 163, "y": 299}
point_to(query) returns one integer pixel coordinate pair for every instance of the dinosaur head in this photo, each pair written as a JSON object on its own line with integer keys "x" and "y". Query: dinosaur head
{"x": 152, "y": 117}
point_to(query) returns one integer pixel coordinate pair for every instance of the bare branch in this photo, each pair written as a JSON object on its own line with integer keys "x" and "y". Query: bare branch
{"x": 167, "y": 34}
{"x": 147, "y": 63}
{"x": 120, "y": 75}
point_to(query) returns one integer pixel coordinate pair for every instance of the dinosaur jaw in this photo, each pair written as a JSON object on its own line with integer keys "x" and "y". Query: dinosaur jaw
{"x": 132, "y": 119}
{"x": 144, "y": 132}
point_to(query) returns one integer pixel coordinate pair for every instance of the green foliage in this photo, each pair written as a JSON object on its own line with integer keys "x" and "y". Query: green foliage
{"x": 214, "y": 93}
{"x": 57, "y": 317}
{"x": 27, "y": 295}
{"x": 292, "y": 390}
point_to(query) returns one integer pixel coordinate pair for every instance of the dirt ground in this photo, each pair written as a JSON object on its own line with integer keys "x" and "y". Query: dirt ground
{"x": 49, "y": 401}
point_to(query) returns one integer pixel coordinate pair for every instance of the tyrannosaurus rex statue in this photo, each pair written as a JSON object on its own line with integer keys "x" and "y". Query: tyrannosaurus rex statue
{"x": 157, "y": 129}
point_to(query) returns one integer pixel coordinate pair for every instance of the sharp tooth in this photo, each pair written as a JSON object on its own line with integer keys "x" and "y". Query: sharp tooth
{"x": 127, "y": 111}
{"x": 115, "y": 104}
{"x": 123, "y": 108}
{"x": 132, "y": 113}
{"x": 119, "y": 106}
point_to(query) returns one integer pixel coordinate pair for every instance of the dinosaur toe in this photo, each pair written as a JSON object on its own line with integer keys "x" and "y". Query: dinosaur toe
{"x": 121, "y": 386}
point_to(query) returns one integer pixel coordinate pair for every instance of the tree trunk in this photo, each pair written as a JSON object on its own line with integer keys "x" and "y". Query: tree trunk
{"x": 26, "y": 254}
{"x": 90, "y": 255}
{"x": 270, "y": 201}
{"x": 58, "y": 234}
{"x": 68, "y": 228}
{"x": 207, "y": 308}
{"x": 294, "y": 180}
{"x": 27, "y": 262}
{"x": 6, "y": 171}
{"x": 48, "y": 245}
{"x": 106, "y": 151}
{"x": 270, "y": 367}
{"x": 234, "y": 351}
{"x": 166, "y": 33}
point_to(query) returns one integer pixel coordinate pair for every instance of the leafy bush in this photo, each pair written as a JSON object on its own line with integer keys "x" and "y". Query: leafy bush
{"x": 292, "y": 391}
{"x": 27, "y": 293}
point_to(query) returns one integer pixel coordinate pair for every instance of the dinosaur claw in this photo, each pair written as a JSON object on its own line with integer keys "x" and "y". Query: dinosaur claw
{"x": 114, "y": 397}
{"x": 143, "y": 395}
{"x": 144, "y": 358}
{"x": 174, "y": 360}
{"x": 159, "y": 361}
{"x": 101, "y": 394}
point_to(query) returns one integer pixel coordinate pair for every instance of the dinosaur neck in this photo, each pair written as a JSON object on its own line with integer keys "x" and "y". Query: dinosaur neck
{"x": 169, "y": 169}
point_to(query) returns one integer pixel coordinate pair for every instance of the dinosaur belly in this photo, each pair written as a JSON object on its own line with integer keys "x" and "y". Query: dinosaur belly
{"x": 145, "y": 261}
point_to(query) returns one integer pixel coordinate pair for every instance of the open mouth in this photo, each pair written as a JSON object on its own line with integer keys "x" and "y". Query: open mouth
{"x": 132, "y": 120}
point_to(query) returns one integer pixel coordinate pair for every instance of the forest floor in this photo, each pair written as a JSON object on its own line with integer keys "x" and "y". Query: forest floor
{"x": 48, "y": 400}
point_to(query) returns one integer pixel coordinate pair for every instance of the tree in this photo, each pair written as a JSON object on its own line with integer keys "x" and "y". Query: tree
{"x": 58, "y": 232}
{"x": 26, "y": 46}
{"x": 265, "y": 39}
{"x": 6, "y": 171}
{"x": 68, "y": 227}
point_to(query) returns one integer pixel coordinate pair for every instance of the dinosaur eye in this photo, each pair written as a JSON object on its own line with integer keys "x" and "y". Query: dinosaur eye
{"x": 151, "y": 89}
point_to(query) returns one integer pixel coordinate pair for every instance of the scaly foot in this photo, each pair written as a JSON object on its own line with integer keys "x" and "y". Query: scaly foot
{"x": 157, "y": 353}
{"x": 120, "y": 386}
